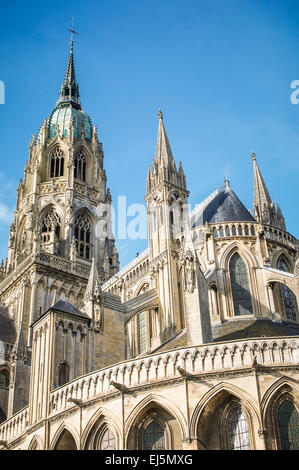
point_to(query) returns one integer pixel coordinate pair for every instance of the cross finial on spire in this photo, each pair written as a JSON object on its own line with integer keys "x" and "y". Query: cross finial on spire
{"x": 160, "y": 115}
{"x": 69, "y": 92}
{"x": 72, "y": 31}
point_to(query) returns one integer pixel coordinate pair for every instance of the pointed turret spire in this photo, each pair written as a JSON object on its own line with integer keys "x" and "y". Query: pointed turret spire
{"x": 280, "y": 218}
{"x": 182, "y": 176}
{"x": 264, "y": 210}
{"x": 164, "y": 167}
{"x": 163, "y": 151}
{"x": 93, "y": 288}
{"x": 93, "y": 298}
{"x": 70, "y": 89}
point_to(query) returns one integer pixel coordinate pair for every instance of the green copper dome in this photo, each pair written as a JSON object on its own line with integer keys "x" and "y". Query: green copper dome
{"x": 62, "y": 115}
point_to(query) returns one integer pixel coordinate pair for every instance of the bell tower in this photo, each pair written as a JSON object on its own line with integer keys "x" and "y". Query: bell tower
{"x": 62, "y": 217}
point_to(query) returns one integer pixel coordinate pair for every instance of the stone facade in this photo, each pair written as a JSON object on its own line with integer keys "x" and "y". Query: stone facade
{"x": 192, "y": 345}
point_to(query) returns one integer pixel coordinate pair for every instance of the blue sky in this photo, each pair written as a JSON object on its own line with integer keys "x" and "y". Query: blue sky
{"x": 219, "y": 70}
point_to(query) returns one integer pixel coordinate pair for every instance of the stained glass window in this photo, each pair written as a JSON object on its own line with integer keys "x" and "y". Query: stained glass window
{"x": 142, "y": 332}
{"x": 108, "y": 441}
{"x": 282, "y": 265}
{"x": 154, "y": 438}
{"x": 287, "y": 295}
{"x": 288, "y": 420}
{"x": 240, "y": 286}
{"x": 238, "y": 435}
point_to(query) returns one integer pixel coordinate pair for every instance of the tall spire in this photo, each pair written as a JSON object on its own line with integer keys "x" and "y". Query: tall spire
{"x": 264, "y": 210}
{"x": 69, "y": 92}
{"x": 163, "y": 151}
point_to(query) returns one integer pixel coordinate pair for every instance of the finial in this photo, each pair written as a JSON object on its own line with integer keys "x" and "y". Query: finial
{"x": 160, "y": 115}
{"x": 253, "y": 156}
{"x": 226, "y": 180}
{"x": 72, "y": 31}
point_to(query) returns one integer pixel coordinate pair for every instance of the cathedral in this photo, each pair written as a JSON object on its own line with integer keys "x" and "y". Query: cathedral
{"x": 194, "y": 345}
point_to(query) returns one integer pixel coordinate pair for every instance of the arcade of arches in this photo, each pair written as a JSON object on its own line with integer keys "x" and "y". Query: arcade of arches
{"x": 227, "y": 422}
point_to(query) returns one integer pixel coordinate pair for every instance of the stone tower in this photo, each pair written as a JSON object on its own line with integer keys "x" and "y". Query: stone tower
{"x": 167, "y": 204}
{"x": 62, "y": 217}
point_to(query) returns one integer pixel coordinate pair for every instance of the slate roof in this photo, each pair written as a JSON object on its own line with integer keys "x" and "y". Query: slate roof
{"x": 65, "y": 307}
{"x": 221, "y": 206}
{"x": 235, "y": 329}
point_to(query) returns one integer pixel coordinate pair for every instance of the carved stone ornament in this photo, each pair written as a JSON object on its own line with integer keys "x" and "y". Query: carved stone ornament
{"x": 99, "y": 313}
{"x": 152, "y": 272}
{"x": 187, "y": 261}
{"x": 262, "y": 432}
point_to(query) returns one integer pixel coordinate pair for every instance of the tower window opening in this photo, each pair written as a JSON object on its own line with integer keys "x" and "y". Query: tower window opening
{"x": 82, "y": 237}
{"x": 56, "y": 163}
{"x": 50, "y": 223}
{"x": 80, "y": 164}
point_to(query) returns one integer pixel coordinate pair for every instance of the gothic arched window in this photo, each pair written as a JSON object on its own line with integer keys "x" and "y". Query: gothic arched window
{"x": 288, "y": 297}
{"x": 50, "y": 223}
{"x": 237, "y": 427}
{"x": 108, "y": 440}
{"x": 56, "y": 163}
{"x": 80, "y": 164}
{"x": 288, "y": 420}
{"x": 240, "y": 286}
{"x": 83, "y": 237}
{"x": 154, "y": 437}
{"x": 283, "y": 265}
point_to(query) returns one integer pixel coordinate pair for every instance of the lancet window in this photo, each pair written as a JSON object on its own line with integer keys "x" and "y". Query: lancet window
{"x": 83, "y": 237}
{"x": 240, "y": 286}
{"x": 237, "y": 426}
{"x": 56, "y": 163}
{"x": 288, "y": 297}
{"x": 50, "y": 223}
{"x": 288, "y": 420}
{"x": 80, "y": 164}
